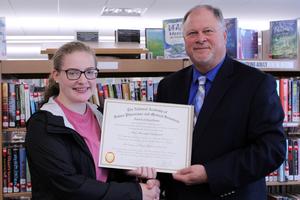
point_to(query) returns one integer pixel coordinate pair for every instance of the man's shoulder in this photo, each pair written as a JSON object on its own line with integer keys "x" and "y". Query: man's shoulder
{"x": 181, "y": 74}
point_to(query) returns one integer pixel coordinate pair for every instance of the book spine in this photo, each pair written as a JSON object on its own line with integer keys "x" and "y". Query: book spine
{"x": 22, "y": 157}
{"x": 18, "y": 106}
{"x": 9, "y": 170}
{"x": 16, "y": 170}
{"x": 22, "y": 106}
{"x": 5, "y": 111}
{"x": 12, "y": 104}
{"x": 4, "y": 169}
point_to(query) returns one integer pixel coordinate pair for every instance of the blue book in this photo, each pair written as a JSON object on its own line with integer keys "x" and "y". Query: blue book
{"x": 232, "y": 37}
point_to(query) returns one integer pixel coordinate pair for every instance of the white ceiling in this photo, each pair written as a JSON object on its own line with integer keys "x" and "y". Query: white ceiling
{"x": 64, "y": 17}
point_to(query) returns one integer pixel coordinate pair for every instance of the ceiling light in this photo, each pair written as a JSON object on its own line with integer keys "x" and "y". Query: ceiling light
{"x": 123, "y": 11}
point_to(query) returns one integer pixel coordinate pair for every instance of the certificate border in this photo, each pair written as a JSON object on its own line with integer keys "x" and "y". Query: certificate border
{"x": 121, "y": 101}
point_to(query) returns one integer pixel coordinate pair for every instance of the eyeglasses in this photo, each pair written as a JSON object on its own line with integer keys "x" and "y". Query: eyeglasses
{"x": 74, "y": 74}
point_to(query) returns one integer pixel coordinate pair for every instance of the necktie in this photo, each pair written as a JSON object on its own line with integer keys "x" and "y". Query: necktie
{"x": 199, "y": 98}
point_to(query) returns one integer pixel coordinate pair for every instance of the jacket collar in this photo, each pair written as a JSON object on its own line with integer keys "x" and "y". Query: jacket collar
{"x": 52, "y": 107}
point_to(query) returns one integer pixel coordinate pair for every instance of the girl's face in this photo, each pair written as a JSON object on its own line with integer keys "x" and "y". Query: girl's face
{"x": 75, "y": 86}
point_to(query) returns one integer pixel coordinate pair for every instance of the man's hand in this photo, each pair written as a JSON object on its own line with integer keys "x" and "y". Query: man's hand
{"x": 192, "y": 175}
{"x": 151, "y": 189}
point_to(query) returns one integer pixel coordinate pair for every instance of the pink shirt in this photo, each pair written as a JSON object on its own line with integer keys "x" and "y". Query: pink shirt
{"x": 88, "y": 127}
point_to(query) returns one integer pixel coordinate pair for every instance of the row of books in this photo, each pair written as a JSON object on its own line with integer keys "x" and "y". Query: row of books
{"x": 287, "y": 196}
{"x": 19, "y": 101}
{"x": 290, "y": 168}
{"x": 137, "y": 89}
{"x": 241, "y": 43}
{"x": 16, "y": 176}
{"x": 289, "y": 93}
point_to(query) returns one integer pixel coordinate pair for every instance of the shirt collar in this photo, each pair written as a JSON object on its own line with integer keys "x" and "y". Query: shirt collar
{"x": 210, "y": 75}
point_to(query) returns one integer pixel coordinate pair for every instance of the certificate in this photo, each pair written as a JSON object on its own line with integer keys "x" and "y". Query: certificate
{"x": 146, "y": 134}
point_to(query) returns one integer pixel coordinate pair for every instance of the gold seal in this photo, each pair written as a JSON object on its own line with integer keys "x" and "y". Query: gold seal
{"x": 109, "y": 157}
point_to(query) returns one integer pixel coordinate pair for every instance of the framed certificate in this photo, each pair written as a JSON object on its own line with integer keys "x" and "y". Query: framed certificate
{"x": 136, "y": 134}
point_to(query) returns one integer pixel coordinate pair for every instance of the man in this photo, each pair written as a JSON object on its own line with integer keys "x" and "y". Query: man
{"x": 238, "y": 137}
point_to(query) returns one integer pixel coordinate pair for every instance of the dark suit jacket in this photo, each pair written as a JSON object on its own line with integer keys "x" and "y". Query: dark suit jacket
{"x": 238, "y": 136}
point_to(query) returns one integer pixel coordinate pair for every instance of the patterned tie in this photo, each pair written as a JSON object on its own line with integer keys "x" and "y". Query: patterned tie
{"x": 199, "y": 98}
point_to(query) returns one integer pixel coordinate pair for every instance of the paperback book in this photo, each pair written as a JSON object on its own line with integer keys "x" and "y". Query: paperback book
{"x": 283, "y": 39}
{"x": 155, "y": 41}
{"x": 174, "y": 43}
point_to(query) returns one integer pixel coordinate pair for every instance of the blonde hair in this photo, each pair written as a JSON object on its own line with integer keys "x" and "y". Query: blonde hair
{"x": 68, "y": 48}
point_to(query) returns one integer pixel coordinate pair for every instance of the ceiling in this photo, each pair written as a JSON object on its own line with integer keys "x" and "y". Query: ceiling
{"x": 65, "y": 17}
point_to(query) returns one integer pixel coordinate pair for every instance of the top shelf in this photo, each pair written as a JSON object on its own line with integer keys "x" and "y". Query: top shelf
{"x": 121, "y": 49}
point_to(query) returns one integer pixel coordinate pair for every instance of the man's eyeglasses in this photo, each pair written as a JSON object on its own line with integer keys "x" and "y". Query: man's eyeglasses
{"x": 74, "y": 74}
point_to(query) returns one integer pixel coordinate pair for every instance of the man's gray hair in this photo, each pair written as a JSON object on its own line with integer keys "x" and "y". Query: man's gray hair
{"x": 216, "y": 11}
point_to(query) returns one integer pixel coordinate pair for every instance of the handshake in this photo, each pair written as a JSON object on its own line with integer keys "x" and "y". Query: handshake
{"x": 150, "y": 188}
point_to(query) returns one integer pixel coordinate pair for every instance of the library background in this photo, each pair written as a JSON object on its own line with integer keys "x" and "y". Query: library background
{"x": 137, "y": 43}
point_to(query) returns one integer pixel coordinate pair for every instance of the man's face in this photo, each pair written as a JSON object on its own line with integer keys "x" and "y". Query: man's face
{"x": 205, "y": 39}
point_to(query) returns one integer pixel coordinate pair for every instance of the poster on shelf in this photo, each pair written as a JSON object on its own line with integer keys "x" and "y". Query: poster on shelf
{"x": 174, "y": 43}
{"x": 3, "y": 52}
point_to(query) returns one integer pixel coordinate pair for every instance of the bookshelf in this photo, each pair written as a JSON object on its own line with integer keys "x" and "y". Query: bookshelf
{"x": 120, "y": 49}
{"x": 111, "y": 65}
{"x": 27, "y": 69}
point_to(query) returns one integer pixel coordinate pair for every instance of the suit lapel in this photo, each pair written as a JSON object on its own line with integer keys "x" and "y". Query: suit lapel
{"x": 220, "y": 85}
{"x": 184, "y": 85}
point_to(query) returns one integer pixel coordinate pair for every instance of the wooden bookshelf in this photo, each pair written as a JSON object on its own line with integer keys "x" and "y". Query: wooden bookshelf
{"x": 287, "y": 183}
{"x": 17, "y": 194}
{"x": 123, "y": 49}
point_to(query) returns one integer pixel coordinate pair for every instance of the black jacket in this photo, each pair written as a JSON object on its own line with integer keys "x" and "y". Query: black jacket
{"x": 61, "y": 164}
{"x": 238, "y": 136}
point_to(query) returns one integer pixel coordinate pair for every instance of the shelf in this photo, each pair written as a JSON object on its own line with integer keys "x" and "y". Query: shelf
{"x": 139, "y": 65}
{"x": 290, "y": 124}
{"x": 283, "y": 183}
{"x": 109, "y": 49}
{"x": 26, "y": 67}
{"x": 21, "y": 129}
{"x": 17, "y": 194}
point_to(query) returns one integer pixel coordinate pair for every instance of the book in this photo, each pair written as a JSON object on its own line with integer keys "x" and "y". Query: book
{"x": 173, "y": 44}
{"x": 12, "y": 105}
{"x": 283, "y": 39}
{"x": 248, "y": 44}
{"x": 154, "y": 41}
{"x": 5, "y": 114}
{"x": 4, "y": 169}
{"x": 232, "y": 37}
{"x": 127, "y": 35}
{"x": 22, "y": 167}
{"x": 87, "y": 36}
{"x": 3, "y": 46}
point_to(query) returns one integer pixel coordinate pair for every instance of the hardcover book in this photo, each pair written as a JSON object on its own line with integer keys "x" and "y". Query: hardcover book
{"x": 248, "y": 44}
{"x": 232, "y": 37}
{"x": 283, "y": 39}
{"x": 174, "y": 43}
{"x": 155, "y": 41}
